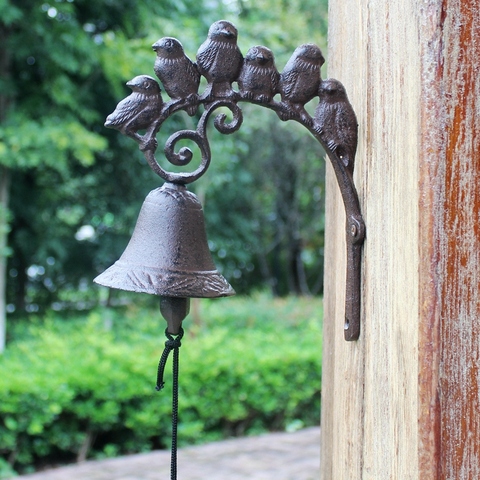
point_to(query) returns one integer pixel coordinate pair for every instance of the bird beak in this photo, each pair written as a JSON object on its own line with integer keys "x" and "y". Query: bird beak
{"x": 155, "y": 46}
{"x": 227, "y": 33}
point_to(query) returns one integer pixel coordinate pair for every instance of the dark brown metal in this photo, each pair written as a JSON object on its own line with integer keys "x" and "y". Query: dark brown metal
{"x": 178, "y": 74}
{"x": 336, "y": 124}
{"x": 220, "y": 61}
{"x": 299, "y": 81}
{"x": 168, "y": 253}
{"x": 174, "y": 310}
{"x": 259, "y": 79}
{"x": 139, "y": 109}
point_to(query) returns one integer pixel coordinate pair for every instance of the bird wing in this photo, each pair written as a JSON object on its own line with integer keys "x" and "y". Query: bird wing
{"x": 125, "y": 111}
{"x": 192, "y": 71}
{"x": 275, "y": 79}
{"x": 347, "y": 128}
{"x": 206, "y": 56}
{"x": 159, "y": 68}
{"x": 288, "y": 81}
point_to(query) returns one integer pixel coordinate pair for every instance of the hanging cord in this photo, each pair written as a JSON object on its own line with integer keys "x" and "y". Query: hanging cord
{"x": 173, "y": 343}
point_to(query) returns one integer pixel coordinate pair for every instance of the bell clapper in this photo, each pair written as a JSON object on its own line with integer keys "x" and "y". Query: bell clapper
{"x": 174, "y": 310}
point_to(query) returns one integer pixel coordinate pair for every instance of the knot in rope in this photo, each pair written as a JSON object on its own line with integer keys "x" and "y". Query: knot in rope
{"x": 173, "y": 343}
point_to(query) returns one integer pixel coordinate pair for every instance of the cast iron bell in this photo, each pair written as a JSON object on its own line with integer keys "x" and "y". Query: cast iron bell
{"x": 168, "y": 253}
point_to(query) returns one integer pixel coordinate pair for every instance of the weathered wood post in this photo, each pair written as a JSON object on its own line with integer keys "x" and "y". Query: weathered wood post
{"x": 403, "y": 402}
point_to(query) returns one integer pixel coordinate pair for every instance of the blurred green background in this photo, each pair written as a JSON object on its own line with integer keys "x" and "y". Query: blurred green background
{"x": 79, "y": 356}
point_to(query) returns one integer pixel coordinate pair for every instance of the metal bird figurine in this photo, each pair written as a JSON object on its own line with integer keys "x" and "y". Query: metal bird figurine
{"x": 139, "y": 109}
{"x": 300, "y": 79}
{"x": 336, "y": 122}
{"x": 219, "y": 60}
{"x": 178, "y": 74}
{"x": 259, "y": 78}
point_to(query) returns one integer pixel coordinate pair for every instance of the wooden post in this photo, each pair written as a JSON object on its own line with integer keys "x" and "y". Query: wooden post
{"x": 404, "y": 401}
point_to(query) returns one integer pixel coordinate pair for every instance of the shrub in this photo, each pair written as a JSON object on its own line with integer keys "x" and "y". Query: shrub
{"x": 76, "y": 389}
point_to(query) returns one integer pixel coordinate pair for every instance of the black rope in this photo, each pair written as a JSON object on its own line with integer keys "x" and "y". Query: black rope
{"x": 173, "y": 343}
{"x": 173, "y": 462}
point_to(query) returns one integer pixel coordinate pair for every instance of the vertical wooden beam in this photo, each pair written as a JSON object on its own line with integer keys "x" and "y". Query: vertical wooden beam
{"x": 449, "y": 242}
{"x": 343, "y": 363}
{"x": 404, "y": 401}
{"x": 373, "y": 434}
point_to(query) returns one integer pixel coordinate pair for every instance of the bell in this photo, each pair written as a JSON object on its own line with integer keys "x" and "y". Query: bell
{"x": 168, "y": 253}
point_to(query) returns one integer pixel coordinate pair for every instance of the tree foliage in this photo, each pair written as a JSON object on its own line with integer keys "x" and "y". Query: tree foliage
{"x": 76, "y": 187}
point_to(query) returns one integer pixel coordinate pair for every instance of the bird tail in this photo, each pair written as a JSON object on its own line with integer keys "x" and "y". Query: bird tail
{"x": 192, "y": 107}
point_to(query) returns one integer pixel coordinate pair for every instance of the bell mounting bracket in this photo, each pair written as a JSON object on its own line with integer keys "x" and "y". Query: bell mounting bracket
{"x": 219, "y": 60}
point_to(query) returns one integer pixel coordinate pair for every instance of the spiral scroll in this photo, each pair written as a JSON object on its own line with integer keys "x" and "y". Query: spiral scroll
{"x": 184, "y": 156}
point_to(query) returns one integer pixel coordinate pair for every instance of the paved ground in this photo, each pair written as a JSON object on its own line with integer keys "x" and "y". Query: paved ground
{"x": 276, "y": 456}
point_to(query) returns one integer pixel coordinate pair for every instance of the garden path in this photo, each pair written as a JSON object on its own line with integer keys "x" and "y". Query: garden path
{"x": 274, "y": 456}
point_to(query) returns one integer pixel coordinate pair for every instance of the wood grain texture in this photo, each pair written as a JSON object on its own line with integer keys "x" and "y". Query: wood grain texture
{"x": 450, "y": 274}
{"x": 404, "y": 401}
{"x": 343, "y": 363}
{"x": 391, "y": 256}
{"x": 375, "y": 437}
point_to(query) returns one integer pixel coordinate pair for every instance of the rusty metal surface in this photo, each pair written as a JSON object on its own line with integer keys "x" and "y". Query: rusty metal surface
{"x": 168, "y": 253}
{"x": 174, "y": 310}
{"x": 221, "y": 63}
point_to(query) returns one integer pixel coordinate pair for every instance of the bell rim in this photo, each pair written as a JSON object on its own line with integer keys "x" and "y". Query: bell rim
{"x": 164, "y": 282}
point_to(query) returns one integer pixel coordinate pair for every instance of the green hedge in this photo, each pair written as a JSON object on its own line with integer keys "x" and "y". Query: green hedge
{"x": 76, "y": 389}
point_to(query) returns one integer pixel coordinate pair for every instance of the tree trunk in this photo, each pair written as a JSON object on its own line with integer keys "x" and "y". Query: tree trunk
{"x": 403, "y": 402}
{"x": 4, "y": 194}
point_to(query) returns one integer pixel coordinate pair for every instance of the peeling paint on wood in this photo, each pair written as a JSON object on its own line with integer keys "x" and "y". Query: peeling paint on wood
{"x": 450, "y": 394}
